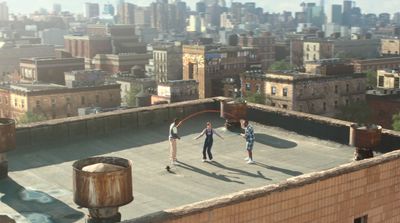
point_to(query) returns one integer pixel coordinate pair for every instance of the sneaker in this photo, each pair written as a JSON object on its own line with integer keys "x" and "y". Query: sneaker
{"x": 174, "y": 163}
{"x": 247, "y": 158}
{"x": 203, "y": 160}
{"x": 251, "y": 162}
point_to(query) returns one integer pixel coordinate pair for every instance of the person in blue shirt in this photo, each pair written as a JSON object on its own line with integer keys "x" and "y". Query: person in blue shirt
{"x": 208, "y": 142}
{"x": 249, "y": 136}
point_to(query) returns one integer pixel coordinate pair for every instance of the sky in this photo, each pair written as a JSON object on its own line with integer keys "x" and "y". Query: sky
{"x": 367, "y": 6}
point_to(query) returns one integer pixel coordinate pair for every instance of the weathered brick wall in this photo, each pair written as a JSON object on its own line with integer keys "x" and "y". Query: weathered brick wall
{"x": 370, "y": 187}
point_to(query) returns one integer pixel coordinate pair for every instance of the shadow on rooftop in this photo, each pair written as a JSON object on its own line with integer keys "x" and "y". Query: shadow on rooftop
{"x": 285, "y": 171}
{"x": 208, "y": 174}
{"x": 36, "y": 206}
{"x": 39, "y": 156}
{"x": 240, "y": 172}
{"x": 273, "y": 141}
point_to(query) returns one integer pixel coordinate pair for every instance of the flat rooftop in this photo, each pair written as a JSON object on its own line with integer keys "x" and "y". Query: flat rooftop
{"x": 40, "y": 178}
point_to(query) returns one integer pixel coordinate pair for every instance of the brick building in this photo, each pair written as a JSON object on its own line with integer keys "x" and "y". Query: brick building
{"x": 56, "y": 101}
{"x": 390, "y": 47}
{"x": 49, "y": 70}
{"x": 320, "y": 91}
{"x": 104, "y": 39}
{"x": 115, "y": 63}
{"x": 209, "y": 65}
{"x": 176, "y": 91}
{"x": 133, "y": 82}
{"x": 10, "y": 55}
{"x": 326, "y": 49}
{"x": 388, "y": 79}
{"x": 5, "y": 108}
{"x": 85, "y": 78}
{"x": 87, "y": 46}
{"x": 328, "y": 67}
{"x": 167, "y": 60}
{"x": 383, "y": 104}
{"x": 376, "y": 64}
{"x": 264, "y": 43}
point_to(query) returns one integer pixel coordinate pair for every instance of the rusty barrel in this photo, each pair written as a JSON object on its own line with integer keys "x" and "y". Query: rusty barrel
{"x": 7, "y": 135}
{"x": 96, "y": 190}
{"x": 368, "y": 137}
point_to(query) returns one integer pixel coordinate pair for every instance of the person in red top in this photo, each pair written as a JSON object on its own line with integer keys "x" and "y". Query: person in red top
{"x": 208, "y": 142}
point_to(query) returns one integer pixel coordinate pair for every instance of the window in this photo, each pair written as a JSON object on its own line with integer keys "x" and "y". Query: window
{"x": 363, "y": 219}
{"x": 347, "y": 88}
{"x": 15, "y": 102}
{"x": 23, "y": 103}
{"x": 273, "y": 90}
{"x": 285, "y": 92}
{"x": 37, "y": 104}
{"x": 258, "y": 88}
{"x": 381, "y": 79}
{"x": 53, "y": 103}
{"x": 396, "y": 82}
{"x": 82, "y": 100}
{"x": 248, "y": 86}
{"x": 336, "y": 104}
{"x": 336, "y": 89}
{"x": 324, "y": 106}
{"x": 284, "y": 106}
{"x": 347, "y": 101}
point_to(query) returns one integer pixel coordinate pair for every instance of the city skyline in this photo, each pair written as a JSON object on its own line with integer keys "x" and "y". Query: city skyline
{"x": 367, "y": 6}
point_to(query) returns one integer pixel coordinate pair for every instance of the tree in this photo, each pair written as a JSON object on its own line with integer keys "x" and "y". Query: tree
{"x": 281, "y": 65}
{"x": 371, "y": 78}
{"x": 255, "y": 98}
{"x": 358, "y": 112}
{"x": 30, "y": 117}
{"x": 130, "y": 97}
{"x": 396, "y": 122}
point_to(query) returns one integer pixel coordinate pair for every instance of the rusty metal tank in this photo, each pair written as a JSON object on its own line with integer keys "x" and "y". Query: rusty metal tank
{"x": 368, "y": 137}
{"x": 7, "y": 135}
{"x": 233, "y": 111}
{"x": 97, "y": 190}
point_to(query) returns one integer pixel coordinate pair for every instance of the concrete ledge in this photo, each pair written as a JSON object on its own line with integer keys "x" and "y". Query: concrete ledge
{"x": 76, "y": 128}
{"x": 251, "y": 194}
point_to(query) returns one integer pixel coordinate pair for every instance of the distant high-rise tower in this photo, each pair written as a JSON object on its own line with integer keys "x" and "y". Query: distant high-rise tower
{"x": 335, "y": 14}
{"x": 92, "y": 10}
{"x": 56, "y": 8}
{"x": 347, "y": 6}
{"x": 4, "y": 16}
{"x": 109, "y": 9}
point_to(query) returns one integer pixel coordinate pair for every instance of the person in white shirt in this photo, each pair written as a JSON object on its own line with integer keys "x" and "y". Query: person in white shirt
{"x": 173, "y": 136}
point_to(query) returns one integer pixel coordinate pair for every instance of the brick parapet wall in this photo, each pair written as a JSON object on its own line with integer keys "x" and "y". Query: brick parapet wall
{"x": 76, "y": 128}
{"x": 67, "y": 129}
{"x": 369, "y": 187}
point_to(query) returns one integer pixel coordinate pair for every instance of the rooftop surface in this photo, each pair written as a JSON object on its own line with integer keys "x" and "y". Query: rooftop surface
{"x": 40, "y": 183}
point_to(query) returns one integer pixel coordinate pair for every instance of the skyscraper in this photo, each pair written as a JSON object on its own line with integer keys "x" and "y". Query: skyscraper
{"x": 4, "y": 12}
{"x": 109, "y": 9}
{"x": 335, "y": 14}
{"x": 92, "y": 10}
{"x": 347, "y": 6}
{"x": 56, "y": 8}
